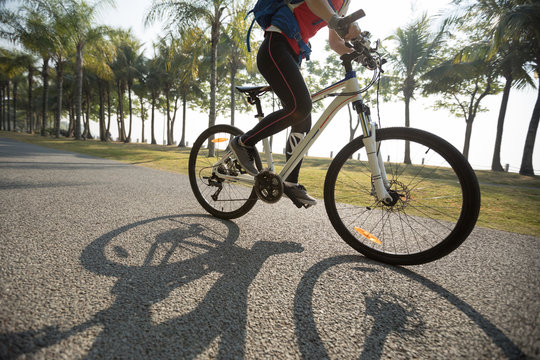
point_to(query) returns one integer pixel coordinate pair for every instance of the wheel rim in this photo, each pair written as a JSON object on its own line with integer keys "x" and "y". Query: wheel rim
{"x": 427, "y": 211}
{"x": 225, "y": 197}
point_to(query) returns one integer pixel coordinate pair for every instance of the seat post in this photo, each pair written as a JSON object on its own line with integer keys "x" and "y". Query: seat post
{"x": 255, "y": 100}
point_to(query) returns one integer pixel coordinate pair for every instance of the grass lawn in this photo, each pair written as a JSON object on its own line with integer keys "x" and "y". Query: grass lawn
{"x": 510, "y": 202}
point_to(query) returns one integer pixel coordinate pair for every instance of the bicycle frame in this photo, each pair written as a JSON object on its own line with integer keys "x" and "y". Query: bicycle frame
{"x": 350, "y": 93}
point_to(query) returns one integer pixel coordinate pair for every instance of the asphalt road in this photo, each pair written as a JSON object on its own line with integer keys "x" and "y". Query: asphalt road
{"x": 99, "y": 259}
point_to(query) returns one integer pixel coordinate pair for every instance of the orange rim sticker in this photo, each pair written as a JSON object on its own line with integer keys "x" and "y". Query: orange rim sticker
{"x": 368, "y": 235}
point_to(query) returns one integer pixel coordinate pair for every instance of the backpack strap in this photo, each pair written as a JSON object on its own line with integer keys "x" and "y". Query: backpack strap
{"x": 249, "y": 32}
{"x": 262, "y": 13}
{"x": 305, "y": 50}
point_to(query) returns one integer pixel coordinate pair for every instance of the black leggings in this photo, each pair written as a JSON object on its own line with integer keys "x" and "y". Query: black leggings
{"x": 278, "y": 63}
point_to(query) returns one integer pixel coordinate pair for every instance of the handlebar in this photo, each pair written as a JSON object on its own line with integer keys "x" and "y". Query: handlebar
{"x": 363, "y": 52}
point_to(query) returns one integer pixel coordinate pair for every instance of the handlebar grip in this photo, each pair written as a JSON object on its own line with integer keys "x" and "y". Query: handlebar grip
{"x": 349, "y": 19}
{"x": 343, "y": 24}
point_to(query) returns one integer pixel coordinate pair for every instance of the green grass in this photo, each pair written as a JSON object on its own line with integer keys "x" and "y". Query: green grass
{"x": 510, "y": 202}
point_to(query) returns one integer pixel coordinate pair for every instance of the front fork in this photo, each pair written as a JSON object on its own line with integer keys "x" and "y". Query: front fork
{"x": 375, "y": 159}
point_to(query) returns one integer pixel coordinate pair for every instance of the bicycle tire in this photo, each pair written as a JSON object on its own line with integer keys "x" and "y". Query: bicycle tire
{"x": 437, "y": 199}
{"x": 232, "y": 200}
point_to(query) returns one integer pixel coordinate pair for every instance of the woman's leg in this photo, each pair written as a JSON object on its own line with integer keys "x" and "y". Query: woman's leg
{"x": 278, "y": 64}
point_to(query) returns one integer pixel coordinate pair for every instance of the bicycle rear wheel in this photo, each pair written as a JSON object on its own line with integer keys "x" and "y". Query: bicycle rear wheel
{"x": 436, "y": 198}
{"x": 221, "y": 198}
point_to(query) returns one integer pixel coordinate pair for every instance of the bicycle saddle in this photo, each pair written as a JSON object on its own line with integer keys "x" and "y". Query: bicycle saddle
{"x": 254, "y": 90}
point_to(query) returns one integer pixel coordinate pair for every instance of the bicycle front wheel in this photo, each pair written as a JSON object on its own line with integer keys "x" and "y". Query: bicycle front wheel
{"x": 224, "y": 199}
{"x": 435, "y": 191}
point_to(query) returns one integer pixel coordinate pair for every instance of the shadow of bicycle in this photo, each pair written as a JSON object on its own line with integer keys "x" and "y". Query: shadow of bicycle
{"x": 148, "y": 270}
{"x": 390, "y": 314}
{"x": 181, "y": 291}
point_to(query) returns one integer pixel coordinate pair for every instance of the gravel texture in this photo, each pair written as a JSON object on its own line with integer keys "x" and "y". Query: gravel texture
{"x": 99, "y": 259}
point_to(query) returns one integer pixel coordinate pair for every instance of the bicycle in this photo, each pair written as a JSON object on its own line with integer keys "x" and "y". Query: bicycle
{"x": 417, "y": 206}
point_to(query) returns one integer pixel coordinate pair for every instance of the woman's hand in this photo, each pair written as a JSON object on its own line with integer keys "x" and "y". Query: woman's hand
{"x": 338, "y": 44}
{"x": 354, "y": 32}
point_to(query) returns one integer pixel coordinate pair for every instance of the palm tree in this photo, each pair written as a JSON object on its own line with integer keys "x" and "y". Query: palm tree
{"x": 188, "y": 14}
{"x": 520, "y": 24}
{"x": 178, "y": 62}
{"x": 42, "y": 28}
{"x": 464, "y": 83}
{"x": 510, "y": 65}
{"x": 134, "y": 57}
{"x": 79, "y": 16}
{"x": 63, "y": 47}
{"x": 235, "y": 50}
{"x": 12, "y": 66}
{"x": 153, "y": 82}
{"x": 128, "y": 55}
{"x": 510, "y": 56}
{"x": 141, "y": 89}
{"x": 414, "y": 56}
{"x": 513, "y": 25}
{"x": 33, "y": 31}
{"x": 188, "y": 86}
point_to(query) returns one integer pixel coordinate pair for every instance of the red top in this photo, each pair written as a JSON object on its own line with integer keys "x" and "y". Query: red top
{"x": 310, "y": 23}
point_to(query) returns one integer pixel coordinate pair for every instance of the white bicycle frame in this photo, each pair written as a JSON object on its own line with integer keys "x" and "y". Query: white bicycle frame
{"x": 350, "y": 93}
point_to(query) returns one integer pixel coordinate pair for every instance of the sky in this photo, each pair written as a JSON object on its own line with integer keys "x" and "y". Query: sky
{"x": 382, "y": 18}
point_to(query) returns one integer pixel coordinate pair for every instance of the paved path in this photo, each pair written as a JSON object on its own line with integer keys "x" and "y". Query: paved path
{"x": 99, "y": 259}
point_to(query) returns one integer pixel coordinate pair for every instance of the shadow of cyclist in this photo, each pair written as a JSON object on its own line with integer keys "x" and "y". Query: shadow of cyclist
{"x": 128, "y": 329}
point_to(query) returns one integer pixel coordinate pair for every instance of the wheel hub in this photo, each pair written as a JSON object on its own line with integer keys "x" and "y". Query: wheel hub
{"x": 400, "y": 196}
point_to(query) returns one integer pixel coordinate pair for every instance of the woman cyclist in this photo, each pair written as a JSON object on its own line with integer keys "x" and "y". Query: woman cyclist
{"x": 278, "y": 61}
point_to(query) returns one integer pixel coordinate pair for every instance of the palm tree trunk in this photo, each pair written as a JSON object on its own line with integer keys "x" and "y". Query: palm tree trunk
{"x": 59, "y": 84}
{"x": 3, "y": 105}
{"x": 2, "y": 117}
{"x": 496, "y": 161}
{"x": 142, "y": 121}
{"x": 15, "y": 85}
{"x": 88, "y": 134}
{"x": 128, "y": 138}
{"x": 468, "y": 133}
{"x": 108, "y": 131}
{"x": 71, "y": 127}
{"x": 84, "y": 121}
{"x": 233, "y": 97}
{"x": 407, "y": 157}
{"x": 528, "y": 150}
{"x": 3, "y": 123}
{"x": 78, "y": 99}
{"x": 30, "y": 111}
{"x": 121, "y": 127}
{"x": 45, "y": 74}
{"x": 167, "y": 100}
{"x": 173, "y": 120}
{"x": 213, "y": 71}
{"x": 8, "y": 108}
{"x": 102, "y": 136}
{"x": 153, "y": 141}
{"x": 184, "y": 104}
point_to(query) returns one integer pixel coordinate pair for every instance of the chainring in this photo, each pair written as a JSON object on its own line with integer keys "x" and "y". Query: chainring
{"x": 268, "y": 186}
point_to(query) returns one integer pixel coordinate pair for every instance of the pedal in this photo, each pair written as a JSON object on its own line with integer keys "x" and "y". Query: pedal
{"x": 295, "y": 201}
